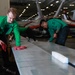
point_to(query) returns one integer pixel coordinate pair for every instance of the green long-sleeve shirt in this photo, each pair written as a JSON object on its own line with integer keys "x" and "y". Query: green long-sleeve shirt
{"x": 10, "y": 27}
{"x": 22, "y": 29}
{"x": 55, "y": 25}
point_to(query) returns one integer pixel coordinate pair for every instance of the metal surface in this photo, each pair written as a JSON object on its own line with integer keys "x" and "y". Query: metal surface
{"x": 36, "y": 61}
{"x": 49, "y": 47}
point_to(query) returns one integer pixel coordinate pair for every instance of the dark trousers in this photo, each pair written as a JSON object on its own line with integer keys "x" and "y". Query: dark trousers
{"x": 29, "y": 33}
{"x": 62, "y": 36}
{"x": 4, "y": 54}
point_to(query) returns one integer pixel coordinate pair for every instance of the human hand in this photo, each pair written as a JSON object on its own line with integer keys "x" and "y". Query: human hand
{"x": 55, "y": 35}
{"x": 3, "y": 45}
{"x": 20, "y": 47}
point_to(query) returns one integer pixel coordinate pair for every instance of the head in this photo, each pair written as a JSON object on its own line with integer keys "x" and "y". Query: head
{"x": 43, "y": 24}
{"x": 11, "y": 15}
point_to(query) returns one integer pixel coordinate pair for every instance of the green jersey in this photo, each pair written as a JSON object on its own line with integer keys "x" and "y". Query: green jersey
{"x": 8, "y": 28}
{"x": 55, "y": 25}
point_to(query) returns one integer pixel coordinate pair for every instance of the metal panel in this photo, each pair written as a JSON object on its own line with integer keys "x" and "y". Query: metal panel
{"x": 49, "y": 47}
{"x": 35, "y": 61}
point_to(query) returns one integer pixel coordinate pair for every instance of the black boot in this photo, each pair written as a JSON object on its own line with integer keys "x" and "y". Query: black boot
{"x": 8, "y": 71}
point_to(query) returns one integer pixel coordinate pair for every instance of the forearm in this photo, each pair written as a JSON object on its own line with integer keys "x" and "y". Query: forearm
{"x": 18, "y": 40}
{"x": 17, "y": 37}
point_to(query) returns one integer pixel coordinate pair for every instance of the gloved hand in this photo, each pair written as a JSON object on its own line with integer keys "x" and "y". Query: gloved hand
{"x": 19, "y": 47}
{"x": 3, "y": 45}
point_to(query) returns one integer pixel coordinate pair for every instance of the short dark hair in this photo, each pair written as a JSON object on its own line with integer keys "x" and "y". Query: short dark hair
{"x": 41, "y": 28}
{"x": 42, "y": 21}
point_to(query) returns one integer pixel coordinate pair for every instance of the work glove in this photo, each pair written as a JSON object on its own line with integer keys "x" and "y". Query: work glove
{"x": 3, "y": 45}
{"x": 19, "y": 47}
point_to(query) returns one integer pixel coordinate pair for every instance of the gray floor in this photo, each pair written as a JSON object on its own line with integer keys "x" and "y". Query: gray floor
{"x": 36, "y": 61}
{"x": 69, "y": 43}
{"x": 68, "y": 50}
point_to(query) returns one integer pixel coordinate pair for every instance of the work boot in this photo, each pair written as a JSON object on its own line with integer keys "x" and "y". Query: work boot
{"x": 8, "y": 71}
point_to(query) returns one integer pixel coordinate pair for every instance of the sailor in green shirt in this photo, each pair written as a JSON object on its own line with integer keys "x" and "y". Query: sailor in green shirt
{"x": 57, "y": 28}
{"x": 8, "y": 25}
